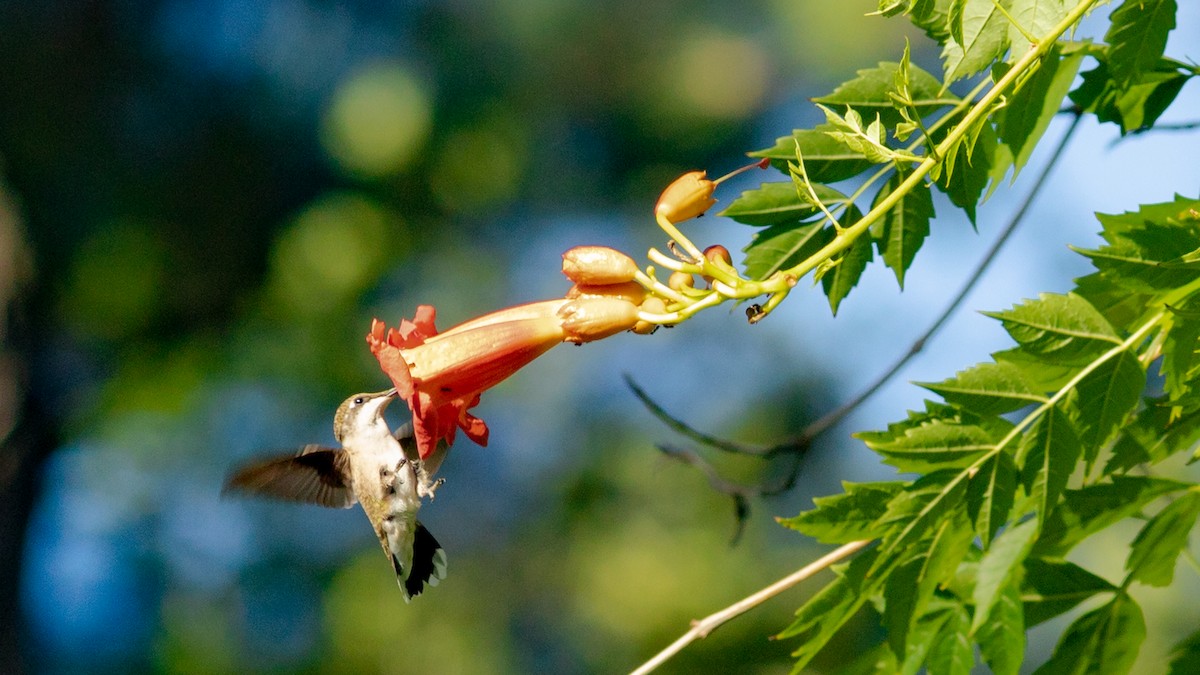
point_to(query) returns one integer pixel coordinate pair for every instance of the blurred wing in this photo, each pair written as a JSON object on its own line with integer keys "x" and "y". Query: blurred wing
{"x": 317, "y": 475}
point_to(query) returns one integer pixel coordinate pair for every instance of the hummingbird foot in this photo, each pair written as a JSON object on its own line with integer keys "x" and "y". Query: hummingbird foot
{"x": 427, "y": 488}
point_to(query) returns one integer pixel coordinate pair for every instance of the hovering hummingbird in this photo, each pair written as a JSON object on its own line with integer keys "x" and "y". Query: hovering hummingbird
{"x": 380, "y": 470}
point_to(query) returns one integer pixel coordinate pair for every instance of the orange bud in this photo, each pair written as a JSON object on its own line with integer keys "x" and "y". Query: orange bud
{"x": 588, "y": 319}
{"x": 718, "y": 252}
{"x": 629, "y": 290}
{"x": 689, "y": 196}
{"x": 681, "y": 280}
{"x": 598, "y": 265}
{"x": 654, "y": 305}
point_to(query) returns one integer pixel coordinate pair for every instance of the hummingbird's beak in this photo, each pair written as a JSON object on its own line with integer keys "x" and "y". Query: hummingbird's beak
{"x": 391, "y": 392}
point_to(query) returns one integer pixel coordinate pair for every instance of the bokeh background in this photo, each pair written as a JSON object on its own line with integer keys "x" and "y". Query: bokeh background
{"x": 204, "y": 203}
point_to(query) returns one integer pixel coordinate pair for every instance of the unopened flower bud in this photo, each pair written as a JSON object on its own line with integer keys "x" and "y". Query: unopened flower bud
{"x": 719, "y": 256}
{"x": 598, "y": 265}
{"x": 588, "y": 319}
{"x": 718, "y": 252}
{"x": 653, "y": 305}
{"x": 629, "y": 290}
{"x": 689, "y": 196}
{"x": 678, "y": 281}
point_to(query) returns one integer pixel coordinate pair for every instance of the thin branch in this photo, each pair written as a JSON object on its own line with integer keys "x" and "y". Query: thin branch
{"x": 702, "y": 628}
{"x": 836, "y": 415}
{"x": 683, "y": 429}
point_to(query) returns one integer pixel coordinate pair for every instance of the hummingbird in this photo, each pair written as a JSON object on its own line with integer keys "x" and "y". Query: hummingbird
{"x": 380, "y": 470}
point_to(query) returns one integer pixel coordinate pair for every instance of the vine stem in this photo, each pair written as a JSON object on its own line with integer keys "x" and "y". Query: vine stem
{"x": 1027, "y": 61}
{"x": 701, "y": 629}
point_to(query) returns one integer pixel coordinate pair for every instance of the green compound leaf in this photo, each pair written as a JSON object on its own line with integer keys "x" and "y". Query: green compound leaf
{"x": 904, "y": 227}
{"x": 782, "y": 246}
{"x": 838, "y": 281}
{"x": 1088, "y": 510}
{"x": 1159, "y": 543}
{"x": 869, "y": 94}
{"x": 826, "y": 159}
{"x": 1002, "y": 638}
{"x": 987, "y": 389}
{"x": 979, "y": 32}
{"x": 1052, "y": 587}
{"x": 1047, "y": 456}
{"x": 1062, "y": 329}
{"x": 936, "y": 444}
{"x": 848, "y": 517}
{"x": 990, "y": 495}
{"x": 1001, "y": 566}
{"x": 1137, "y": 36}
{"x": 1105, "y": 640}
{"x": 776, "y": 203}
{"x": 1106, "y": 397}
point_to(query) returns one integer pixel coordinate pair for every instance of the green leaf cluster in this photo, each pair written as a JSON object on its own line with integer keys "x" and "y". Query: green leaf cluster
{"x": 894, "y": 134}
{"x": 1026, "y": 456}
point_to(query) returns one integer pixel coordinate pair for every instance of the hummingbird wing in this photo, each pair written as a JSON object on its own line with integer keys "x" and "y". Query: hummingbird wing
{"x": 316, "y": 475}
{"x": 428, "y": 564}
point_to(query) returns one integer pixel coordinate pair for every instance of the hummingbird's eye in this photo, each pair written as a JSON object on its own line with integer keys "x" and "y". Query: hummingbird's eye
{"x": 358, "y": 401}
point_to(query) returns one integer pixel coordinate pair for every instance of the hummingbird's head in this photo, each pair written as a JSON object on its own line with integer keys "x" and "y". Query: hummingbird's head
{"x": 360, "y": 411}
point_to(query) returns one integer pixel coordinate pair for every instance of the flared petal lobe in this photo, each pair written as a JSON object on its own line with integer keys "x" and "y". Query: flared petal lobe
{"x": 441, "y": 376}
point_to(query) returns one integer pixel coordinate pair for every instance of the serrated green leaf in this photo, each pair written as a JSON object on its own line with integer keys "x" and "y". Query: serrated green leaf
{"x": 909, "y": 592}
{"x": 1137, "y": 36}
{"x": 826, "y": 159}
{"x": 1036, "y": 17}
{"x": 1105, "y": 640}
{"x": 1136, "y": 260}
{"x": 1088, "y": 510}
{"x": 1052, "y": 587}
{"x": 933, "y": 17}
{"x": 952, "y": 652}
{"x": 821, "y": 617}
{"x": 848, "y": 517}
{"x": 1002, "y": 638}
{"x": 1155, "y": 434}
{"x": 979, "y": 36}
{"x": 782, "y": 246}
{"x": 968, "y": 170}
{"x": 775, "y": 203}
{"x": 1185, "y": 657}
{"x": 990, "y": 495}
{"x": 1042, "y": 374}
{"x": 870, "y": 141}
{"x": 838, "y": 282}
{"x": 1179, "y": 355}
{"x": 933, "y": 445}
{"x": 904, "y": 227}
{"x": 1158, "y": 545}
{"x": 1063, "y": 329}
{"x": 1001, "y": 566}
{"x": 1137, "y": 105}
{"x": 1047, "y": 455}
{"x": 987, "y": 389}
{"x": 916, "y": 511}
{"x": 1024, "y": 120}
{"x": 868, "y": 94}
{"x": 1106, "y": 398}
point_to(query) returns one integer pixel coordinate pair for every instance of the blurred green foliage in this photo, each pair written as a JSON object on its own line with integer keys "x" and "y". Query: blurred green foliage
{"x": 219, "y": 197}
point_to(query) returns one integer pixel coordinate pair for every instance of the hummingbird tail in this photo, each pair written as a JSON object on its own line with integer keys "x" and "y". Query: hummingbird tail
{"x": 428, "y": 564}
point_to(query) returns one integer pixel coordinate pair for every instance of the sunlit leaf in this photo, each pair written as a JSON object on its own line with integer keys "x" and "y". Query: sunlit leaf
{"x": 868, "y": 94}
{"x": 987, "y": 389}
{"x": 980, "y": 36}
{"x": 826, "y": 159}
{"x": 933, "y": 445}
{"x": 952, "y": 652}
{"x": 847, "y": 517}
{"x": 775, "y": 203}
{"x": 838, "y": 282}
{"x": 1062, "y": 328}
{"x": 1106, "y": 398}
{"x": 782, "y": 246}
